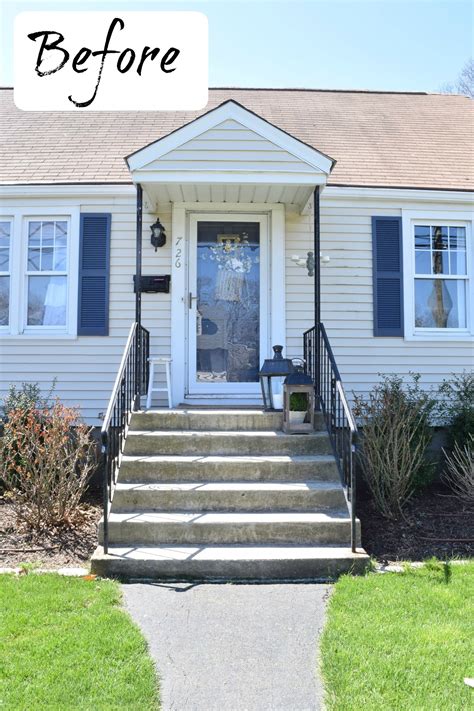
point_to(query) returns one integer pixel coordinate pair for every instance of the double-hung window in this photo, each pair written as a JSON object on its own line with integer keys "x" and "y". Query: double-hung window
{"x": 5, "y": 265}
{"x": 47, "y": 273}
{"x": 438, "y": 278}
{"x": 54, "y": 272}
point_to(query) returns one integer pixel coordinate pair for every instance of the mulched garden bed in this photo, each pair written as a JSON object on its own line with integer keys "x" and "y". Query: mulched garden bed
{"x": 435, "y": 523}
{"x": 50, "y": 549}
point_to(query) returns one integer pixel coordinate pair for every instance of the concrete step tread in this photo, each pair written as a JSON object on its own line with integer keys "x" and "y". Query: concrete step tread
{"x": 212, "y": 419}
{"x": 241, "y": 434}
{"x": 229, "y": 552}
{"x": 227, "y": 518}
{"x": 243, "y": 415}
{"x": 229, "y": 458}
{"x": 223, "y": 442}
{"x": 206, "y": 411}
{"x": 266, "y": 486}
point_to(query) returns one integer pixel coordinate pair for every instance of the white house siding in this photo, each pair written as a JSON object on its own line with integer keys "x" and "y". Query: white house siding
{"x": 229, "y": 146}
{"x": 85, "y": 367}
{"x": 346, "y": 308}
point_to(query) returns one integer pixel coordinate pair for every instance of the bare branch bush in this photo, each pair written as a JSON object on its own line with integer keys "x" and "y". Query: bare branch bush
{"x": 456, "y": 407}
{"x": 46, "y": 459}
{"x": 459, "y": 472}
{"x": 395, "y": 435}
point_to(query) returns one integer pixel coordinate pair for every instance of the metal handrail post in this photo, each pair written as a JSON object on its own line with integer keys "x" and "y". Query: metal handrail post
{"x": 317, "y": 292}
{"x": 138, "y": 296}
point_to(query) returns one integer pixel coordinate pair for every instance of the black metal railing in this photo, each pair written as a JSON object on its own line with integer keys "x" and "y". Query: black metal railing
{"x": 130, "y": 384}
{"x": 331, "y": 399}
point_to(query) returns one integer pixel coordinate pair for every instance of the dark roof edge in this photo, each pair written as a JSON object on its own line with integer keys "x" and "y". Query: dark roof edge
{"x": 328, "y": 91}
{"x": 237, "y": 103}
{"x": 85, "y": 184}
{"x": 302, "y": 88}
{"x": 329, "y": 185}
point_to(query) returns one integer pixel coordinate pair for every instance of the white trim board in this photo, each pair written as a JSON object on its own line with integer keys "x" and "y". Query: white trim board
{"x": 231, "y": 177}
{"x": 405, "y": 194}
{"x": 57, "y": 190}
{"x": 230, "y": 110}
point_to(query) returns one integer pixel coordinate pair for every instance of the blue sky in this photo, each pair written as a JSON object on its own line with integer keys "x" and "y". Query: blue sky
{"x": 397, "y": 45}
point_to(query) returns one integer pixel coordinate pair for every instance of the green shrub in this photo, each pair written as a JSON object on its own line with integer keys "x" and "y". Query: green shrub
{"x": 456, "y": 408}
{"x": 26, "y": 398}
{"x": 298, "y": 402}
{"x": 396, "y": 432}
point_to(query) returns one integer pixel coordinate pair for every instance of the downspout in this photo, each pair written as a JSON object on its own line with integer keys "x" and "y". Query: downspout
{"x": 317, "y": 296}
{"x": 138, "y": 298}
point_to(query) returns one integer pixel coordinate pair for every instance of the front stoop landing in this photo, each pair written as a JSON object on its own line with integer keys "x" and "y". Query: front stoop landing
{"x": 226, "y": 495}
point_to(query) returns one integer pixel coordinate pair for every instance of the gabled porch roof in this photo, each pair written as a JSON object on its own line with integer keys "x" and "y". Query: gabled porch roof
{"x": 229, "y": 154}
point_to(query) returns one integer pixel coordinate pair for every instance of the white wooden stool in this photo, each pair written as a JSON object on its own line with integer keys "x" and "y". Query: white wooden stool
{"x": 167, "y": 363}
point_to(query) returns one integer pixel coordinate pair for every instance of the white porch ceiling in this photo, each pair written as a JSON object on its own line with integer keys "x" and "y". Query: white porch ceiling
{"x": 229, "y": 155}
{"x": 294, "y": 197}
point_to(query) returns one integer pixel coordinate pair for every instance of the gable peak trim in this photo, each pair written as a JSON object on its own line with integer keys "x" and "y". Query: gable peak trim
{"x": 233, "y": 110}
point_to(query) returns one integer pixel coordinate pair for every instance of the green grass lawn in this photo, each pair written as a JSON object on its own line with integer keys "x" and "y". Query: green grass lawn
{"x": 401, "y": 641}
{"x": 66, "y": 644}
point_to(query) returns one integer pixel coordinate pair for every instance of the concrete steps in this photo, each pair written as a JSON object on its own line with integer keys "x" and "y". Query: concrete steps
{"x": 201, "y": 496}
{"x": 147, "y": 442}
{"x": 256, "y": 563}
{"x": 178, "y": 527}
{"x": 283, "y": 467}
{"x": 226, "y": 495}
{"x": 198, "y": 419}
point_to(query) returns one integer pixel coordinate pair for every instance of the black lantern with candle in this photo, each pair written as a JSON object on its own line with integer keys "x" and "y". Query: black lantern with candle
{"x": 276, "y": 367}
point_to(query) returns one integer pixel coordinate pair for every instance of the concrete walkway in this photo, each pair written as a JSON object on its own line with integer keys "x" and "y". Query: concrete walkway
{"x": 233, "y": 647}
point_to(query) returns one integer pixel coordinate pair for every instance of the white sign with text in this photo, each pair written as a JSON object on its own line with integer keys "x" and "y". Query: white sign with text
{"x": 111, "y": 61}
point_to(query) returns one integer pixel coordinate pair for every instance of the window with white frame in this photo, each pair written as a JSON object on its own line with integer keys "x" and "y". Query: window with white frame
{"x": 5, "y": 261}
{"x": 47, "y": 273}
{"x": 441, "y": 277}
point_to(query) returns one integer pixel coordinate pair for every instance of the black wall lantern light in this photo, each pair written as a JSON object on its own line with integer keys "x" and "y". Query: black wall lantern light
{"x": 276, "y": 367}
{"x": 158, "y": 234}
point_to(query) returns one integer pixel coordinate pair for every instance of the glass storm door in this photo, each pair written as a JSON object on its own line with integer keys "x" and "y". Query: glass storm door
{"x": 226, "y": 303}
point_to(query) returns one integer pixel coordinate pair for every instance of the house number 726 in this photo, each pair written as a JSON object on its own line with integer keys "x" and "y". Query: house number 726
{"x": 178, "y": 253}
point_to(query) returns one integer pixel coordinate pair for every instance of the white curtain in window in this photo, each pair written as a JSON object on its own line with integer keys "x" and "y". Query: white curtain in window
{"x": 55, "y": 302}
{"x": 459, "y": 290}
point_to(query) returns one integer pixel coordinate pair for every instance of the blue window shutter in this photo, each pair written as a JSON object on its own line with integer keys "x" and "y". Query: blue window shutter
{"x": 94, "y": 257}
{"x": 388, "y": 276}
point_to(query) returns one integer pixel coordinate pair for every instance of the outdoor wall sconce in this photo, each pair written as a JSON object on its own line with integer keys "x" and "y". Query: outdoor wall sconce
{"x": 298, "y": 401}
{"x": 158, "y": 234}
{"x": 276, "y": 367}
{"x": 309, "y": 261}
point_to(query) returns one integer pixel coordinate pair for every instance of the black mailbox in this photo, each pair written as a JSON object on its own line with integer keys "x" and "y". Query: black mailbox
{"x": 153, "y": 284}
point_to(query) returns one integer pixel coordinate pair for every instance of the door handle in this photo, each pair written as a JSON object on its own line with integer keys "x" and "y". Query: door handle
{"x": 190, "y": 300}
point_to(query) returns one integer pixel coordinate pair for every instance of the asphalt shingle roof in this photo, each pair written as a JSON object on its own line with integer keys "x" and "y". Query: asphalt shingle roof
{"x": 377, "y": 138}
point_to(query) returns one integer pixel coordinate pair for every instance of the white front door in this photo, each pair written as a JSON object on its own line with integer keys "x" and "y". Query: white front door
{"x": 227, "y": 303}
